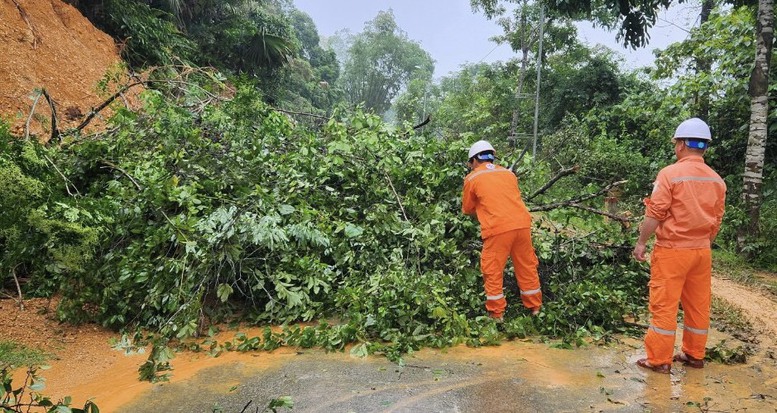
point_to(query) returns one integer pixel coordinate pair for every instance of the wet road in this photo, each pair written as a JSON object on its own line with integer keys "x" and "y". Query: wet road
{"x": 513, "y": 377}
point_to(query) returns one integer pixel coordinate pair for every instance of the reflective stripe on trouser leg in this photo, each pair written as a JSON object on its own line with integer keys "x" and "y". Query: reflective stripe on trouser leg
{"x": 696, "y": 299}
{"x": 667, "y": 276}
{"x": 658, "y": 343}
{"x": 492, "y": 264}
{"x": 525, "y": 263}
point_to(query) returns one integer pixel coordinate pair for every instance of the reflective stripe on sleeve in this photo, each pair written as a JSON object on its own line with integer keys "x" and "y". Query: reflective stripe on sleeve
{"x": 662, "y": 331}
{"x": 530, "y": 292}
{"x": 696, "y": 330}
{"x": 495, "y": 297}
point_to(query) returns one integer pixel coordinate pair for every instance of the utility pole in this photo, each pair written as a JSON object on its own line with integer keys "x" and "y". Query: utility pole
{"x": 528, "y": 37}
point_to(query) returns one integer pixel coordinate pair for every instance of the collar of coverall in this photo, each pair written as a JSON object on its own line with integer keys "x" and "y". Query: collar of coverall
{"x": 485, "y": 165}
{"x": 691, "y": 158}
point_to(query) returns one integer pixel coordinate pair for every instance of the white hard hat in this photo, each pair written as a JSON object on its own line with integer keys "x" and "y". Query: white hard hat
{"x": 479, "y": 146}
{"x": 693, "y": 128}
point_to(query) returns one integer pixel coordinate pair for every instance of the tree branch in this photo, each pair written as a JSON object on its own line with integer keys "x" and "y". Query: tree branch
{"x": 26, "y": 18}
{"x": 569, "y": 202}
{"x": 116, "y": 167}
{"x": 562, "y": 173}
{"x": 54, "y": 131}
{"x": 312, "y": 115}
{"x": 607, "y": 214}
{"x": 18, "y": 288}
{"x": 105, "y": 104}
{"x": 517, "y": 161}
{"x": 427, "y": 120}
{"x": 67, "y": 181}
{"x": 29, "y": 118}
{"x": 399, "y": 201}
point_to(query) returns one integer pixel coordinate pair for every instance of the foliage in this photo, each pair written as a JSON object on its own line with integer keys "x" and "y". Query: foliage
{"x": 760, "y": 250}
{"x": 380, "y": 62}
{"x": 236, "y": 36}
{"x": 324, "y": 61}
{"x": 727, "y": 40}
{"x": 204, "y": 213}
{"x": 157, "y": 363}
{"x": 41, "y": 232}
{"x": 634, "y": 18}
{"x": 285, "y": 402}
{"x": 603, "y": 155}
{"x": 14, "y": 355}
{"x": 28, "y": 397}
{"x": 310, "y": 84}
{"x": 591, "y": 82}
{"x": 721, "y": 352}
{"x": 149, "y": 35}
{"x": 477, "y": 101}
{"x": 247, "y": 38}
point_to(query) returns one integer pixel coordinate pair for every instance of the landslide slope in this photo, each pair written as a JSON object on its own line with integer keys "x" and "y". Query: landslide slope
{"x": 49, "y": 44}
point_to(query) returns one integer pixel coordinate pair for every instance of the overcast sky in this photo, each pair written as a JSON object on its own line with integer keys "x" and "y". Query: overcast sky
{"x": 454, "y": 35}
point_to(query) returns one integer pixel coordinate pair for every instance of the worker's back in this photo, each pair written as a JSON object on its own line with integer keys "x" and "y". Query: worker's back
{"x": 492, "y": 192}
{"x": 689, "y": 200}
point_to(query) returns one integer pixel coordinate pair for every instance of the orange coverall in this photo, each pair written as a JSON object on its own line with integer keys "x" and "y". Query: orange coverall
{"x": 688, "y": 200}
{"x": 492, "y": 192}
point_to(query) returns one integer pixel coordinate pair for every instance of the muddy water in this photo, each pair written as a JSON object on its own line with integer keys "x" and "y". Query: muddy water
{"x": 516, "y": 376}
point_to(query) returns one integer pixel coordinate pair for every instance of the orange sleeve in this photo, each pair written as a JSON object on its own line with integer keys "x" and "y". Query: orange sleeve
{"x": 469, "y": 200}
{"x": 720, "y": 209}
{"x": 657, "y": 206}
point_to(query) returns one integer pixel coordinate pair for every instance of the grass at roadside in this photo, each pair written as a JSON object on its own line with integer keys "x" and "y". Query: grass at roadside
{"x": 13, "y": 355}
{"x": 732, "y": 320}
{"x": 737, "y": 269}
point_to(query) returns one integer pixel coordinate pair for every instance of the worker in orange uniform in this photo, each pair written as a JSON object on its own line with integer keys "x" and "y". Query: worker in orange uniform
{"x": 684, "y": 211}
{"x": 491, "y": 193}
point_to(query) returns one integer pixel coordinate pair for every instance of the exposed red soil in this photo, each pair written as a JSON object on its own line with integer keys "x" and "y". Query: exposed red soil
{"x": 48, "y": 44}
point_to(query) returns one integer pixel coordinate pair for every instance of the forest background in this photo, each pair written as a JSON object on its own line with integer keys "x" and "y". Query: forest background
{"x": 268, "y": 176}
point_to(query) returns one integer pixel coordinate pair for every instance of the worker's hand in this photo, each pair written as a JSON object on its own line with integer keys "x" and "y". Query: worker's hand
{"x": 639, "y": 252}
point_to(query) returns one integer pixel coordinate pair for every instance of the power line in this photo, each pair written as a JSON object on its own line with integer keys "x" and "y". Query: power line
{"x": 487, "y": 54}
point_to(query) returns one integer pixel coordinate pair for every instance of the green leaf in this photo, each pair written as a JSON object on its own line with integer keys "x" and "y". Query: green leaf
{"x": 38, "y": 385}
{"x": 283, "y": 401}
{"x": 223, "y": 292}
{"x": 359, "y": 350}
{"x": 353, "y": 231}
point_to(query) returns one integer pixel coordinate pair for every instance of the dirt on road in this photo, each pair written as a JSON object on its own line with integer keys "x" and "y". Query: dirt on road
{"x": 757, "y": 307}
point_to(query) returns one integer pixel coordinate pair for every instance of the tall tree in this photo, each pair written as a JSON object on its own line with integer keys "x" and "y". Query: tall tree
{"x": 704, "y": 63}
{"x": 380, "y": 63}
{"x": 759, "y": 111}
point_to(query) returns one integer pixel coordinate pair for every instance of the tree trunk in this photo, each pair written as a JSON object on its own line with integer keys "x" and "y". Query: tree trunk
{"x": 704, "y": 63}
{"x": 752, "y": 196}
